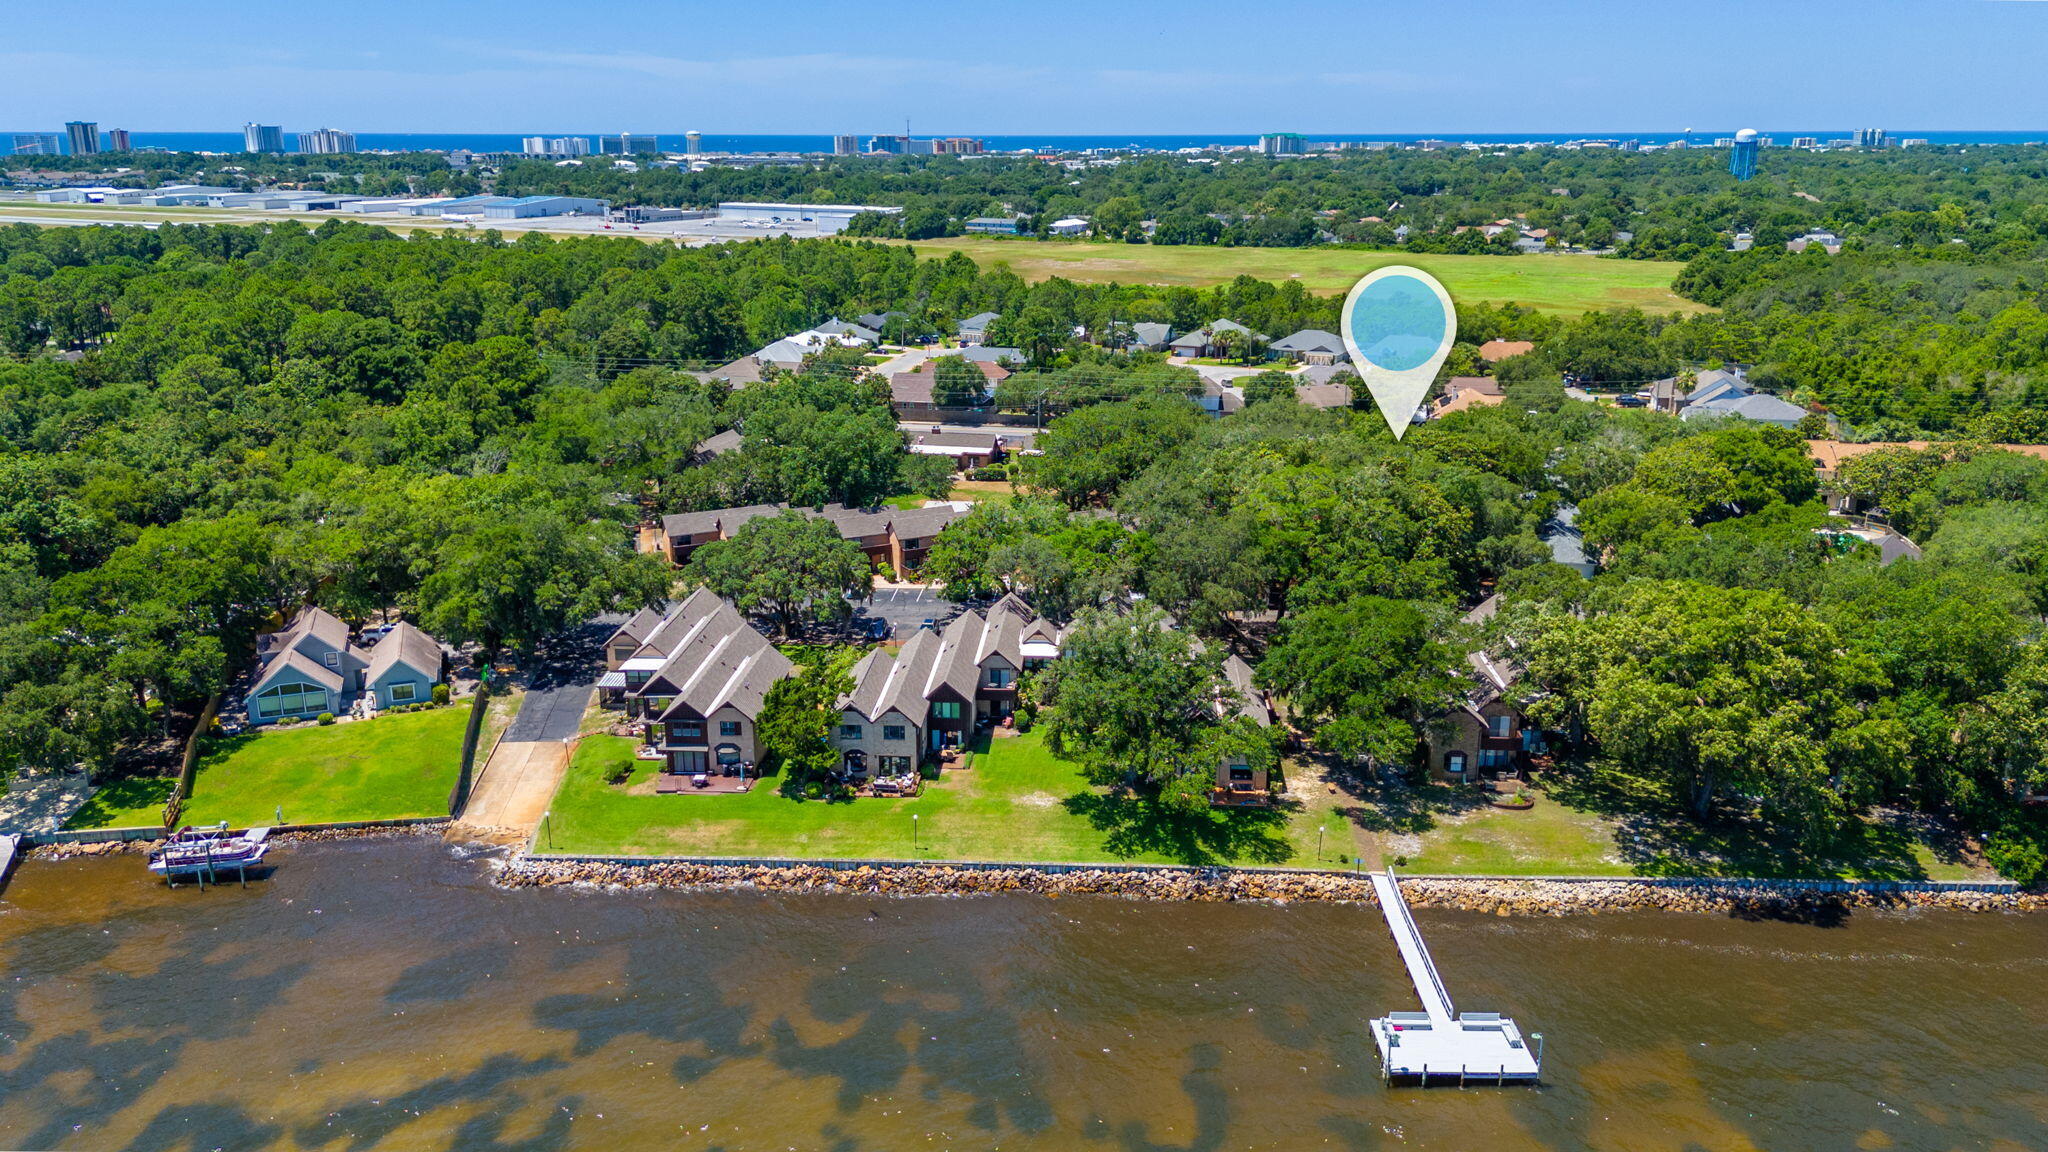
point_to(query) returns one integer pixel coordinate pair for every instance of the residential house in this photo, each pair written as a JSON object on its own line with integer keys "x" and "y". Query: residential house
{"x": 997, "y": 225}
{"x": 715, "y": 445}
{"x": 975, "y": 327}
{"x": 1671, "y": 394}
{"x": 1068, "y": 226}
{"x": 404, "y": 667}
{"x": 308, "y": 668}
{"x": 1495, "y": 351}
{"x": 312, "y": 666}
{"x": 1238, "y": 780}
{"x": 1202, "y": 341}
{"x": 1309, "y": 346}
{"x": 931, "y": 695}
{"x": 839, "y": 331}
{"x": 1146, "y": 336}
{"x": 1220, "y": 397}
{"x": 910, "y": 393}
{"x": 1760, "y": 407}
{"x": 619, "y": 647}
{"x": 971, "y": 448}
{"x": 1485, "y": 736}
{"x": 876, "y": 321}
{"x": 1327, "y": 386}
{"x": 683, "y": 532}
{"x": 1462, "y": 392}
{"x": 701, "y": 675}
{"x": 899, "y": 537}
{"x": 988, "y": 354}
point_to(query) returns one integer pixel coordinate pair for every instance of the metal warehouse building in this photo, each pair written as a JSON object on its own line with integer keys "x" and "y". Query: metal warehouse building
{"x": 826, "y": 218}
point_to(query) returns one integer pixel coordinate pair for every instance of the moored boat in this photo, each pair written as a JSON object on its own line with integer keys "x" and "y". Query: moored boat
{"x": 208, "y": 851}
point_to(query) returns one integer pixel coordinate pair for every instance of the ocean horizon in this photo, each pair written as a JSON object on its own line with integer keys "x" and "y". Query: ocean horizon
{"x": 822, "y": 142}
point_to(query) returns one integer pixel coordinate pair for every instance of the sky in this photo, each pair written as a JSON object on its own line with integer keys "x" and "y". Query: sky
{"x": 1077, "y": 67}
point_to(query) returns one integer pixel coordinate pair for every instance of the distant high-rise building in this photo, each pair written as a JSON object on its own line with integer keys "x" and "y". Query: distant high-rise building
{"x": 1283, "y": 144}
{"x": 262, "y": 137}
{"x": 627, "y": 144}
{"x": 1742, "y": 154}
{"x": 326, "y": 142}
{"x": 1806, "y": 141}
{"x": 845, "y": 145}
{"x": 892, "y": 144}
{"x": 1872, "y": 138}
{"x": 959, "y": 146}
{"x": 693, "y": 143}
{"x": 117, "y": 140}
{"x": 38, "y": 144}
{"x": 555, "y": 146}
{"x": 83, "y": 137}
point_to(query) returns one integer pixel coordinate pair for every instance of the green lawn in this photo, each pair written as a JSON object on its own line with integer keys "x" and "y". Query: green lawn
{"x": 1567, "y": 284}
{"x": 1017, "y": 803}
{"x": 379, "y": 769}
{"x": 1598, "y": 820}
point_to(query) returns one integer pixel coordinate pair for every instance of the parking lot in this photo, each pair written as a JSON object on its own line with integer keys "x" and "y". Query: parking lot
{"x": 906, "y": 609}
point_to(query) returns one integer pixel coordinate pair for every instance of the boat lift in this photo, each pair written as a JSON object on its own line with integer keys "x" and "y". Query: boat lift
{"x": 1473, "y": 1047}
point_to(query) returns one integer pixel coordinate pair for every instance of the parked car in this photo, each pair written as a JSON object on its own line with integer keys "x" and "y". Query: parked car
{"x": 875, "y": 628}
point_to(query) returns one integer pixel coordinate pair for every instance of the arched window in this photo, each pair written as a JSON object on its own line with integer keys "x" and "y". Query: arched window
{"x": 728, "y": 753}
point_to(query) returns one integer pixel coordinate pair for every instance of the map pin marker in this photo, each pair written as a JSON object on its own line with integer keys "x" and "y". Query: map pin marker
{"x": 1399, "y": 325}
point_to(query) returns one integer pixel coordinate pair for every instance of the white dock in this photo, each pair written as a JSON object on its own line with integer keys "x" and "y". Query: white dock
{"x": 1477, "y": 1047}
{"x": 8, "y": 846}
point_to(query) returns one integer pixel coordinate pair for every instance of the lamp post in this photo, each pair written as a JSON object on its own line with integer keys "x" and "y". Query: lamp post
{"x": 913, "y": 831}
{"x": 1319, "y": 841}
{"x": 547, "y": 823}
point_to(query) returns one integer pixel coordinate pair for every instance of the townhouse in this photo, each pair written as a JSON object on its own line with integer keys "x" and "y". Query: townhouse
{"x": 698, "y": 674}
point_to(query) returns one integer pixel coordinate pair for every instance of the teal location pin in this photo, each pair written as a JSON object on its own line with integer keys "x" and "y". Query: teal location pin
{"x": 1399, "y": 325}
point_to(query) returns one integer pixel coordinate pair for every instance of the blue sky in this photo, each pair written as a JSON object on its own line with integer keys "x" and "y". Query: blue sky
{"x": 1058, "y": 66}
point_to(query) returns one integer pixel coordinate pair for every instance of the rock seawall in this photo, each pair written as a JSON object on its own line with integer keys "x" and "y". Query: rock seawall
{"x": 281, "y": 836}
{"x": 1497, "y": 897}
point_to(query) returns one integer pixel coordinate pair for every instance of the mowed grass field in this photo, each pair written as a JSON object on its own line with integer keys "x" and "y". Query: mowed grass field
{"x": 1567, "y": 284}
{"x": 381, "y": 769}
{"x": 1017, "y": 803}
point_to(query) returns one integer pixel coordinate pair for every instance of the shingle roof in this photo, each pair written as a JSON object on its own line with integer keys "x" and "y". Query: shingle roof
{"x": 405, "y": 645}
{"x": 718, "y": 444}
{"x": 979, "y": 321}
{"x": 717, "y": 660}
{"x": 1494, "y": 350}
{"x": 1251, "y": 703}
{"x": 637, "y": 628}
{"x": 728, "y": 520}
{"x": 1309, "y": 340}
{"x": 1146, "y": 332}
{"x": 295, "y": 661}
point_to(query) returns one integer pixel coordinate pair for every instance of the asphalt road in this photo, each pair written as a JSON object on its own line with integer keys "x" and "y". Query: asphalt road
{"x": 906, "y": 609}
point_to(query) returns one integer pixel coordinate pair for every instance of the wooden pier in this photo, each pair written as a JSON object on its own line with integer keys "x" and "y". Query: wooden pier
{"x": 1437, "y": 1045}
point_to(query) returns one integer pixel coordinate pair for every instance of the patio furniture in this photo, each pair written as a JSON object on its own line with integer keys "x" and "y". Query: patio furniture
{"x": 700, "y": 780}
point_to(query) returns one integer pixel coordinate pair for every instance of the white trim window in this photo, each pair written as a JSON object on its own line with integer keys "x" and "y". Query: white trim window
{"x": 294, "y": 699}
{"x": 404, "y": 692}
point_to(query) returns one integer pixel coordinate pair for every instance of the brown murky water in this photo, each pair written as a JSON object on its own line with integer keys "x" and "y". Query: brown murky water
{"x": 374, "y": 995}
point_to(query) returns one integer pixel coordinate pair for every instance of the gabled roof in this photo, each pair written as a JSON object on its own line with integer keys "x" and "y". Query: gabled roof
{"x": 1147, "y": 332}
{"x": 408, "y": 646}
{"x": 1494, "y": 350}
{"x": 1251, "y": 703}
{"x": 1757, "y": 406}
{"x": 1014, "y": 604}
{"x": 1309, "y": 340}
{"x": 716, "y": 660}
{"x": 719, "y": 443}
{"x": 294, "y": 661}
{"x": 637, "y": 629}
{"x": 978, "y": 322}
{"x": 310, "y": 623}
{"x": 838, "y": 327}
{"x": 1715, "y": 384}
{"x": 879, "y": 320}
{"x": 727, "y": 520}
{"x": 954, "y": 664}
